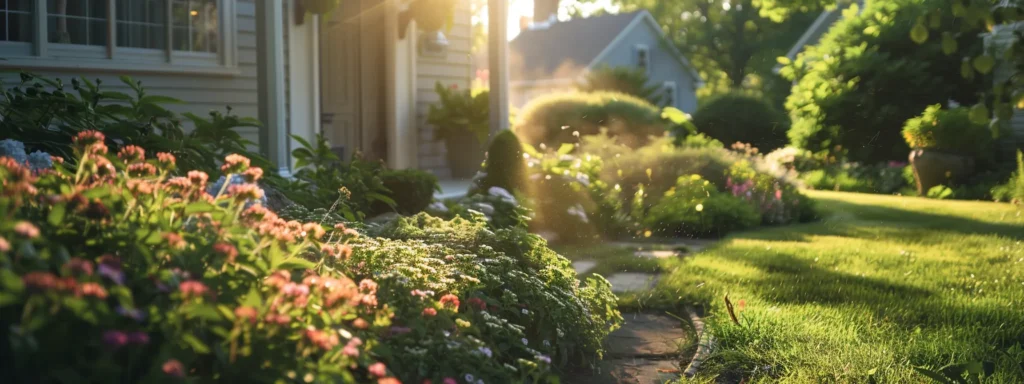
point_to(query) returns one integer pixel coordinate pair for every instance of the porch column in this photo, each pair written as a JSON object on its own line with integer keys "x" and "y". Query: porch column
{"x": 271, "y": 91}
{"x": 497, "y": 48}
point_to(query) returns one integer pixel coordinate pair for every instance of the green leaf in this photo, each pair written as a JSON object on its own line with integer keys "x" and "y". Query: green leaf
{"x": 949, "y": 45}
{"x": 153, "y": 99}
{"x": 11, "y": 281}
{"x": 197, "y": 345}
{"x": 56, "y": 214}
{"x": 783, "y": 60}
{"x": 97, "y": 193}
{"x": 984, "y": 64}
{"x": 566, "y": 149}
{"x": 294, "y": 263}
{"x": 935, "y": 19}
{"x": 199, "y": 207}
{"x": 116, "y": 96}
{"x": 674, "y": 115}
{"x": 965, "y": 69}
{"x": 253, "y": 298}
{"x": 919, "y": 33}
{"x": 979, "y": 114}
{"x": 8, "y": 298}
{"x": 937, "y": 377}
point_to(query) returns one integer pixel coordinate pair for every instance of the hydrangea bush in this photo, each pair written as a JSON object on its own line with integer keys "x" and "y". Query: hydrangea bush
{"x": 116, "y": 271}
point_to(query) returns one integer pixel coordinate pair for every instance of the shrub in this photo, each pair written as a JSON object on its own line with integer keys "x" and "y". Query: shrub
{"x": 777, "y": 201}
{"x": 564, "y": 117}
{"x": 146, "y": 278}
{"x": 412, "y": 190}
{"x": 736, "y": 117}
{"x": 695, "y": 207}
{"x": 458, "y": 112}
{"x": 1013, "y": 190}
{"x": 322, "y": 181}
{"x": 45, "y": 115}
{"x": 865, "y": 78}
{"x": 505, "y": 167}
{"x": 950, "y": 131}
{"x": 629, "y": 80}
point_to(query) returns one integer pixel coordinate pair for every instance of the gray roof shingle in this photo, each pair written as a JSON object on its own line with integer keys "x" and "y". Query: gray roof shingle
{"x": 565, "y": 48}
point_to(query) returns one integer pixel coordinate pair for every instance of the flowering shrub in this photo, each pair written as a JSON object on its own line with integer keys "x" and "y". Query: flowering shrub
{"x": 695, "y": 207}
{"x": 778, "y": 202}
{"x": 497, "y": 207}
{"x": 116, "y": 271}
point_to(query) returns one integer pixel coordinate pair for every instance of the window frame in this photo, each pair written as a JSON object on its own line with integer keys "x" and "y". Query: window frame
{"x": 44, "y": 55}
{"x": 646, "y": 65}
{"x": 669, "y": 88}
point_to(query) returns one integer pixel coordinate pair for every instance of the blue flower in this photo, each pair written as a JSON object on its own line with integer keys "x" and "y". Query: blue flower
{"x": 39, "y": 161}
{"x": 13, "y": 149}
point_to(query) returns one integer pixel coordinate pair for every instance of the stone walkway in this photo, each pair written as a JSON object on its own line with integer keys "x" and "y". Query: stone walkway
{"x": 647, "y": 349}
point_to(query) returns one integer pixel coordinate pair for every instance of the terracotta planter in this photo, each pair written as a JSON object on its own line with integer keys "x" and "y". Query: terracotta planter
{"x": 933, "y": 168}
{"x": 465, "y": 154}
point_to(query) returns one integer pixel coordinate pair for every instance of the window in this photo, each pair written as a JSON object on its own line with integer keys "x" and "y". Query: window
{"x": 643, "y": 60}
{"x": 16, "y": 20}
{"x": 135, "y": 33}
{"x": 81, "y": 22}
{"x": 142, "y": 24}
{"x": 669, "y": 94}
{"x": 195, "y": 25}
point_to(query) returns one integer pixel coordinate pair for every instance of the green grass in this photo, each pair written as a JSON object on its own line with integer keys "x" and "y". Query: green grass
{"x": 882, "y": 284}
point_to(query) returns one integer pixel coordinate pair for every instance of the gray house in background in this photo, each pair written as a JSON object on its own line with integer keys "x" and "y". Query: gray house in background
{"x": 552, "y": 56}
{"x": 818, "y": 28}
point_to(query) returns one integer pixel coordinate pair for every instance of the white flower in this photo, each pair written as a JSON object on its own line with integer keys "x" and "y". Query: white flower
{"x": 485, "y": 208}
{"x": 479, "y": 381}
{"x": 438, "y": 206}
{"x": 547, "y": 343}
{"x": 469, "y": 378}
{"x": 525, "y": 342}
{"x": 486, "y": 351}
{"x": 502, "y": 193}
{"x": 526, "y": 312}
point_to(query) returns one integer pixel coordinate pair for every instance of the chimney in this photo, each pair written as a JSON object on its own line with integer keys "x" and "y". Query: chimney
{"x": 543, "y": 10}
{"x": 524, "y": 23}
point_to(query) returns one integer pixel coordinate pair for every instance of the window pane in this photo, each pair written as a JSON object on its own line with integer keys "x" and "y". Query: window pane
{"x": 196, "y": 26}
{"x": 142, "y": 23}
{"x": 77, "y": 21}
{"x": 16, "y": 20}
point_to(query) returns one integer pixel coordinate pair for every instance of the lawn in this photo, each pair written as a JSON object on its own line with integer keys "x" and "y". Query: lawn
{"x": 880, "y": 285}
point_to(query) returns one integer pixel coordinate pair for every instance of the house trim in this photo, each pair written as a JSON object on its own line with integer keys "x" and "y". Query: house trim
{"x": 400, "y": 57}
{"x": 270, "y": 61}
{"x": 558, "y": 81}
{"x": 645, "y": 17}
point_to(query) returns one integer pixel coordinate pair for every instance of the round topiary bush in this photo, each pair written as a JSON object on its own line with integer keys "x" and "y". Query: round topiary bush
{"x": 412, "y": 191}
{"x": 564, "y": 117}
{"x": 735, "y": 117}
{"x": 505, "y": 164}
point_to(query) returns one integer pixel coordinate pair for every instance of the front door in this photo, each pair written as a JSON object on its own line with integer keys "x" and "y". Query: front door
{"x": 351, "y": 65}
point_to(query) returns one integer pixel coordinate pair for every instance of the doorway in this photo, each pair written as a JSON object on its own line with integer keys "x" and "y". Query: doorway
{"x": 352, "y": 79}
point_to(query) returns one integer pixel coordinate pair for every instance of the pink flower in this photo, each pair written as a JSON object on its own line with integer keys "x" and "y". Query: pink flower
{"x": 166, "y": 160}
{"x": 352, "y": 347}
{"x": 378, "y": 369}
{"x": 26, "y": 229}
{"x": 138, "y": 338}
{"x": 92, "y": 289}
{"x": 174, "y": 368}
{"x": 39, "y": 281}
{"x": 246, "y": 313}
{"x": 131, "y": 154}
{"x": 80, "y": 266}
{"x": 115, "y": 339}
{"x": 429, "y": 312}
{"x": 778, "y": 194}
{"x": 477, "y": 303}
{"x": 295, "y": 290}
{"x": 85, "y": 138}
{"x": 449, "y": 380}
{"x": 368, "y": 285}
{"x": 227, "y": 250}
{"x": 235, "y": 163}
{"x": 192, "y": 288}
{"x": 450, "y": 300}
{"x": 252, "y": 175}
{"x": 5, "y": 246}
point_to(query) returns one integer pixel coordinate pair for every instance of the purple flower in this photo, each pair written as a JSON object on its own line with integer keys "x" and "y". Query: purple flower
{"x": 544, "y": 358}
{"x": 131, "y": 313}
{"x": 111, "y": 269}
{"x": 115, "y": 339}
{"x": 140, "y": 338}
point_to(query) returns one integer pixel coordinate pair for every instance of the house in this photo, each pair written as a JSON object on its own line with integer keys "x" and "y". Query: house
{"x": 355, "y": 74}
{"x": 554, "y": 55}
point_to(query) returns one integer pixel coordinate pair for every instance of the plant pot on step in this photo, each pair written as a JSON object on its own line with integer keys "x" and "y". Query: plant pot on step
{"x": 465, "y": 153}
{"x": 933, "y": 168}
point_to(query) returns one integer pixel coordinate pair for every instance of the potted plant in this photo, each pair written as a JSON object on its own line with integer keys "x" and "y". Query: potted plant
{"x": 945, "y": 146}
{"x": 461, "y": 120}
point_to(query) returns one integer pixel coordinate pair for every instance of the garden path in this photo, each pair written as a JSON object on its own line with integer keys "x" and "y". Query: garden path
{"x": 648, "y": 348}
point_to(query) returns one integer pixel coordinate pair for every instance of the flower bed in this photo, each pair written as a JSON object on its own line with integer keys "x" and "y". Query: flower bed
{"x": 116, "y": 271}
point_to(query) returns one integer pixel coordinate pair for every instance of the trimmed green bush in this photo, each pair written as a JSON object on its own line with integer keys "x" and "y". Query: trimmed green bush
{"x": 866, "y": 77}
{"x": 505, "y": 166}
{"x": 411, "y": 189}
{"x": 950, "y": 131}
{"x": 737, "y": 117}
{"x": 564, "y": 117}
{"x": 695, "y": 208}
{"x": 629, "y": 80}
{"x": 1013, "y": 190}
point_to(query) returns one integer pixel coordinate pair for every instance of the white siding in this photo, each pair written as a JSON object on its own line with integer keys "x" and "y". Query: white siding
{"x": 452, "y": 69}
{"x": 200, "y": 92}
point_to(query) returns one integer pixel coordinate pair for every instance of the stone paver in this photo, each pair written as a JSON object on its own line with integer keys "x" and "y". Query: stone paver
{"x": 646, "y": 335}
{"x": 582, "y": 266}
{"x": 644, "y": 351}
{"x": 632, "y": 281}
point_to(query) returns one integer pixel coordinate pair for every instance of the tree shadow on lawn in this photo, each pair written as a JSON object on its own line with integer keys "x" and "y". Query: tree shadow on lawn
{"x": 836, "y": 222}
